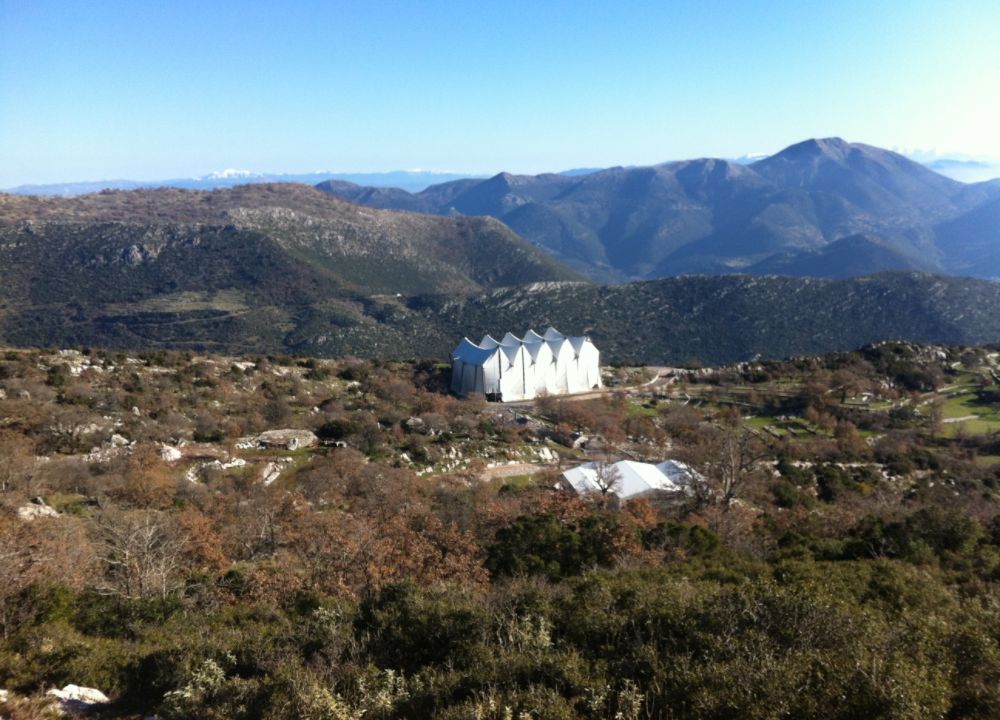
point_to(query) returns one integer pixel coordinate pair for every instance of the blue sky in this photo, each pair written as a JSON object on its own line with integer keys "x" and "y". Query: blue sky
{"x": 148, "y": 89}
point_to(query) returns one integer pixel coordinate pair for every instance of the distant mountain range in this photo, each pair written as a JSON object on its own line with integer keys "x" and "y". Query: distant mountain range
{"x": 287, "y": 268}
{"x": 411, "y": 180}
{"x": 821, "y": 207}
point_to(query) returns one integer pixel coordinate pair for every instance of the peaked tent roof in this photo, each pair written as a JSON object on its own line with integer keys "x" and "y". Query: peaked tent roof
{"x": 678, "y": 472}
{"x": 577, "y": 343}
{"x": 510, "y": 352}
{"x": 468, "y": 351}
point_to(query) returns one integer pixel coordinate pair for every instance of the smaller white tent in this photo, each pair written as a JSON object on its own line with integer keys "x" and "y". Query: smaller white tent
{"x": 521, "y": 368}
{"x": 634, "y": 479}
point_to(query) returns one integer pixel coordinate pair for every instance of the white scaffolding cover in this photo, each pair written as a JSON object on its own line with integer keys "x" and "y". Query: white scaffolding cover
{"x": 522, "y": 368}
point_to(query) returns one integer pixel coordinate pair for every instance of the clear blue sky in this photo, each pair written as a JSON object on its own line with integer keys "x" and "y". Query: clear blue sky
{"x": 153, "y": 89}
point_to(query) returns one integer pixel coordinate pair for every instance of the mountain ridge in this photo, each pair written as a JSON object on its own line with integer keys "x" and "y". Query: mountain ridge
{"x": 710, "y": 215}
{"x": 337, "y": 244}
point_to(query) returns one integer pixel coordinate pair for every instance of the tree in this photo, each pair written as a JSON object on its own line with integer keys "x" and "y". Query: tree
{"x": 607, "y": 477}
{"x": 730, "y": 455}
{"x": 141, "y": 554}
{"x": 147, "y": 480}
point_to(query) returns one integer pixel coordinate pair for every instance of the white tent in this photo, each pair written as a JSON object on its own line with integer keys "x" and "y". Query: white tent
{"x": 521, "y": 368}
{"x": 634, "y": 479}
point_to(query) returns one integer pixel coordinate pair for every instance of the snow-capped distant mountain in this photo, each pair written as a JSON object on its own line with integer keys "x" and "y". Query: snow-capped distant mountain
{"x": 409, "y": 180}
{"x": 230, "y": 173}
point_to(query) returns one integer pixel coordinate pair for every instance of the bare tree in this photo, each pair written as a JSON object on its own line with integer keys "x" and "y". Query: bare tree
{"x": 607, "y": 477}
{"x": 730, "y": 455}
{"x": 141, "y": 554}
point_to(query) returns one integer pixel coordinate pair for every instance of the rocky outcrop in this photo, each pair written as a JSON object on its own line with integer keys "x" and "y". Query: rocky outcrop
{"x": 288, "y": 439}
{"x": 75, "y": 699}
{"x": 37, "y": 508}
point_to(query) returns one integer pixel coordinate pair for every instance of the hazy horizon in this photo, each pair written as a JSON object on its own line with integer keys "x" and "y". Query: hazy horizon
{"x": 116, "y": 90}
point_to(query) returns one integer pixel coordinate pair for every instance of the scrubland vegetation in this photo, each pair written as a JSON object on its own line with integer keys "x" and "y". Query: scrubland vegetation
{"x": 842, "y": 560}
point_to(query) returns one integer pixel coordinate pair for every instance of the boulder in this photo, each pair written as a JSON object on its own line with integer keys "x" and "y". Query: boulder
{"x": 76, "y": 699}
{"x": 287, "y": 439}
{"x": 170, "y": 454}
{"x": 272, "y": 470}
{"x": 547, "y": 455}
{"x": 415, "y": 424}
{"x": 118, "y": 441}
{"x": 37, "y": 508}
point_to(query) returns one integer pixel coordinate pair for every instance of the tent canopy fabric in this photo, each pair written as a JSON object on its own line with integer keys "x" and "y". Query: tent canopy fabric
{"x": 633, "y": 479}
{"x": 522, "y": 368}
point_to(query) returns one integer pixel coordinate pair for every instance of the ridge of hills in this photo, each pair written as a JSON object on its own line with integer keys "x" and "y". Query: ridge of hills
{"x": 283, "y": 240}
{"x": 718, "y": 319}
{"x": 289, "y": 269}
{"x": 712, "y": 216}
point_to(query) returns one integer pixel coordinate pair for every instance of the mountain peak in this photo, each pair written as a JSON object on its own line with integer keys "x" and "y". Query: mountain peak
{"x": 831, "y": 146}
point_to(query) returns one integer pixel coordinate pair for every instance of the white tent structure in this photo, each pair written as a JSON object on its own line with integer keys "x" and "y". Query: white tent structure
{"x": 522, "y": 368}
{"x": 629, "y": 479}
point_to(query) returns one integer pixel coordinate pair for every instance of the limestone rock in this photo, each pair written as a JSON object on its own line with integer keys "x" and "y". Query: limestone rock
{"x": 287, "y": 439}
{"x": 76, "y": 699}
{"x": 169, "y": 453}
{"x": 37, "y": 508}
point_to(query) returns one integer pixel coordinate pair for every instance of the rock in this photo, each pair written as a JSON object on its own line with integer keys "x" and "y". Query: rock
{"x": 107, "y": 453}
{"x": 76, "y": 699}
{"x": 3, "y": 394}
{"x": 170, "y": 454}
{"x": 547, "y": 455}
{"x": 38, "y": 508}
{"x": 23, "y": 395}
{"x": 415, "y": 424}
{"x": 4, "y": 695}
{"x": 228, "y": 465}
{"x": 272, "y": 470}
{"x": 287, "y": 439}
{"x": 118, "y": 440}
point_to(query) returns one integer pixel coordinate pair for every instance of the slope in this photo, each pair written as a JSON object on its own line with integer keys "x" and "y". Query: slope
{"x": 238, "y": 268}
